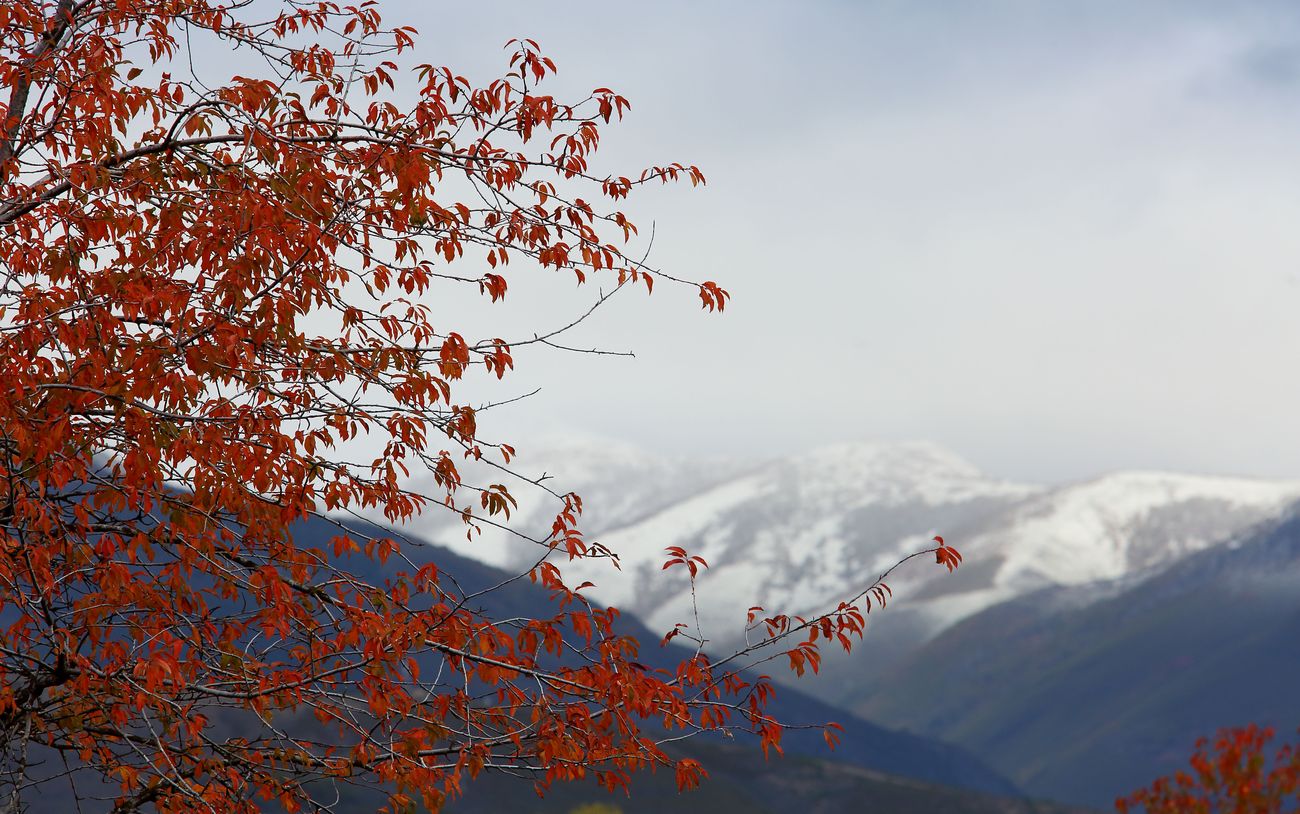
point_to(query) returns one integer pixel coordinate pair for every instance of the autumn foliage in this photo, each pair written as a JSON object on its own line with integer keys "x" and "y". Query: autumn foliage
{"x": 222, "y": 314}
{"x": 1232, "y": 775}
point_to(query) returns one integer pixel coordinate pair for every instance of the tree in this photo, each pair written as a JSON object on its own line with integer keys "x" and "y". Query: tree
{"x": 1234, "y": 778}
{"x": 220, "y": 317}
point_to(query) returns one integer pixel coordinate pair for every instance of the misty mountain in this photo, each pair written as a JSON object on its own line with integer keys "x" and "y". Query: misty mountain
{"x": 798, "y": 534}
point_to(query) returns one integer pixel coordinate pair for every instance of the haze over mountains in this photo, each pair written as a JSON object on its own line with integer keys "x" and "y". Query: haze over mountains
{"x": 798, "y": 532}
{"x": 1079, "y": 650}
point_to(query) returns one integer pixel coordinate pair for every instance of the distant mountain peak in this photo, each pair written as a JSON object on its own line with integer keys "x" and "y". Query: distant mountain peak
{"x": 901, "y": 458}
{"x": 888, "y": 473}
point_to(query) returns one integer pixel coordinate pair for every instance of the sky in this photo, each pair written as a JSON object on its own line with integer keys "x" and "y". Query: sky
{"x": 1058, "y": 238}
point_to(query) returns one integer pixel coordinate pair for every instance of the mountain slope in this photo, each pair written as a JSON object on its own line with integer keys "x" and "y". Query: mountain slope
{"x": 900, "y": 771}
{"x": 740, "y": 782}
{"x": 864, "y": 744}
{"x": 1085, "y": 693}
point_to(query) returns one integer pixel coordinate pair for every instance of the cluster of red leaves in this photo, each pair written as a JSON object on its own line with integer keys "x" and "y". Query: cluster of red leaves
{"x": 678, "y": 556}
{"x": 1230, "y": 776}
{"x": 170, "y": 416}
{"x": 946, "y": 555}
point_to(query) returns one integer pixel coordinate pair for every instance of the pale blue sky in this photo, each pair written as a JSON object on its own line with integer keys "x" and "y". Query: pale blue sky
{"x": 1059, "y": 238}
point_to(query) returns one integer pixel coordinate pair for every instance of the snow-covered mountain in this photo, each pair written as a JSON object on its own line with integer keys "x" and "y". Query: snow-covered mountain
{"x": 799, "y": 534}
{"x": 794, "y": 534}
{"x": 1114, "y": 529}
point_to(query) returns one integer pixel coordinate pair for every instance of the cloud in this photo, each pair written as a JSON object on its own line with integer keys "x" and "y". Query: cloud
{"x": 1058, "y": 238}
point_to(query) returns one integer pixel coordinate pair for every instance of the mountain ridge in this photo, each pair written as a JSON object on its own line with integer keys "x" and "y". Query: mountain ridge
{"x": 806, "y": 530}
